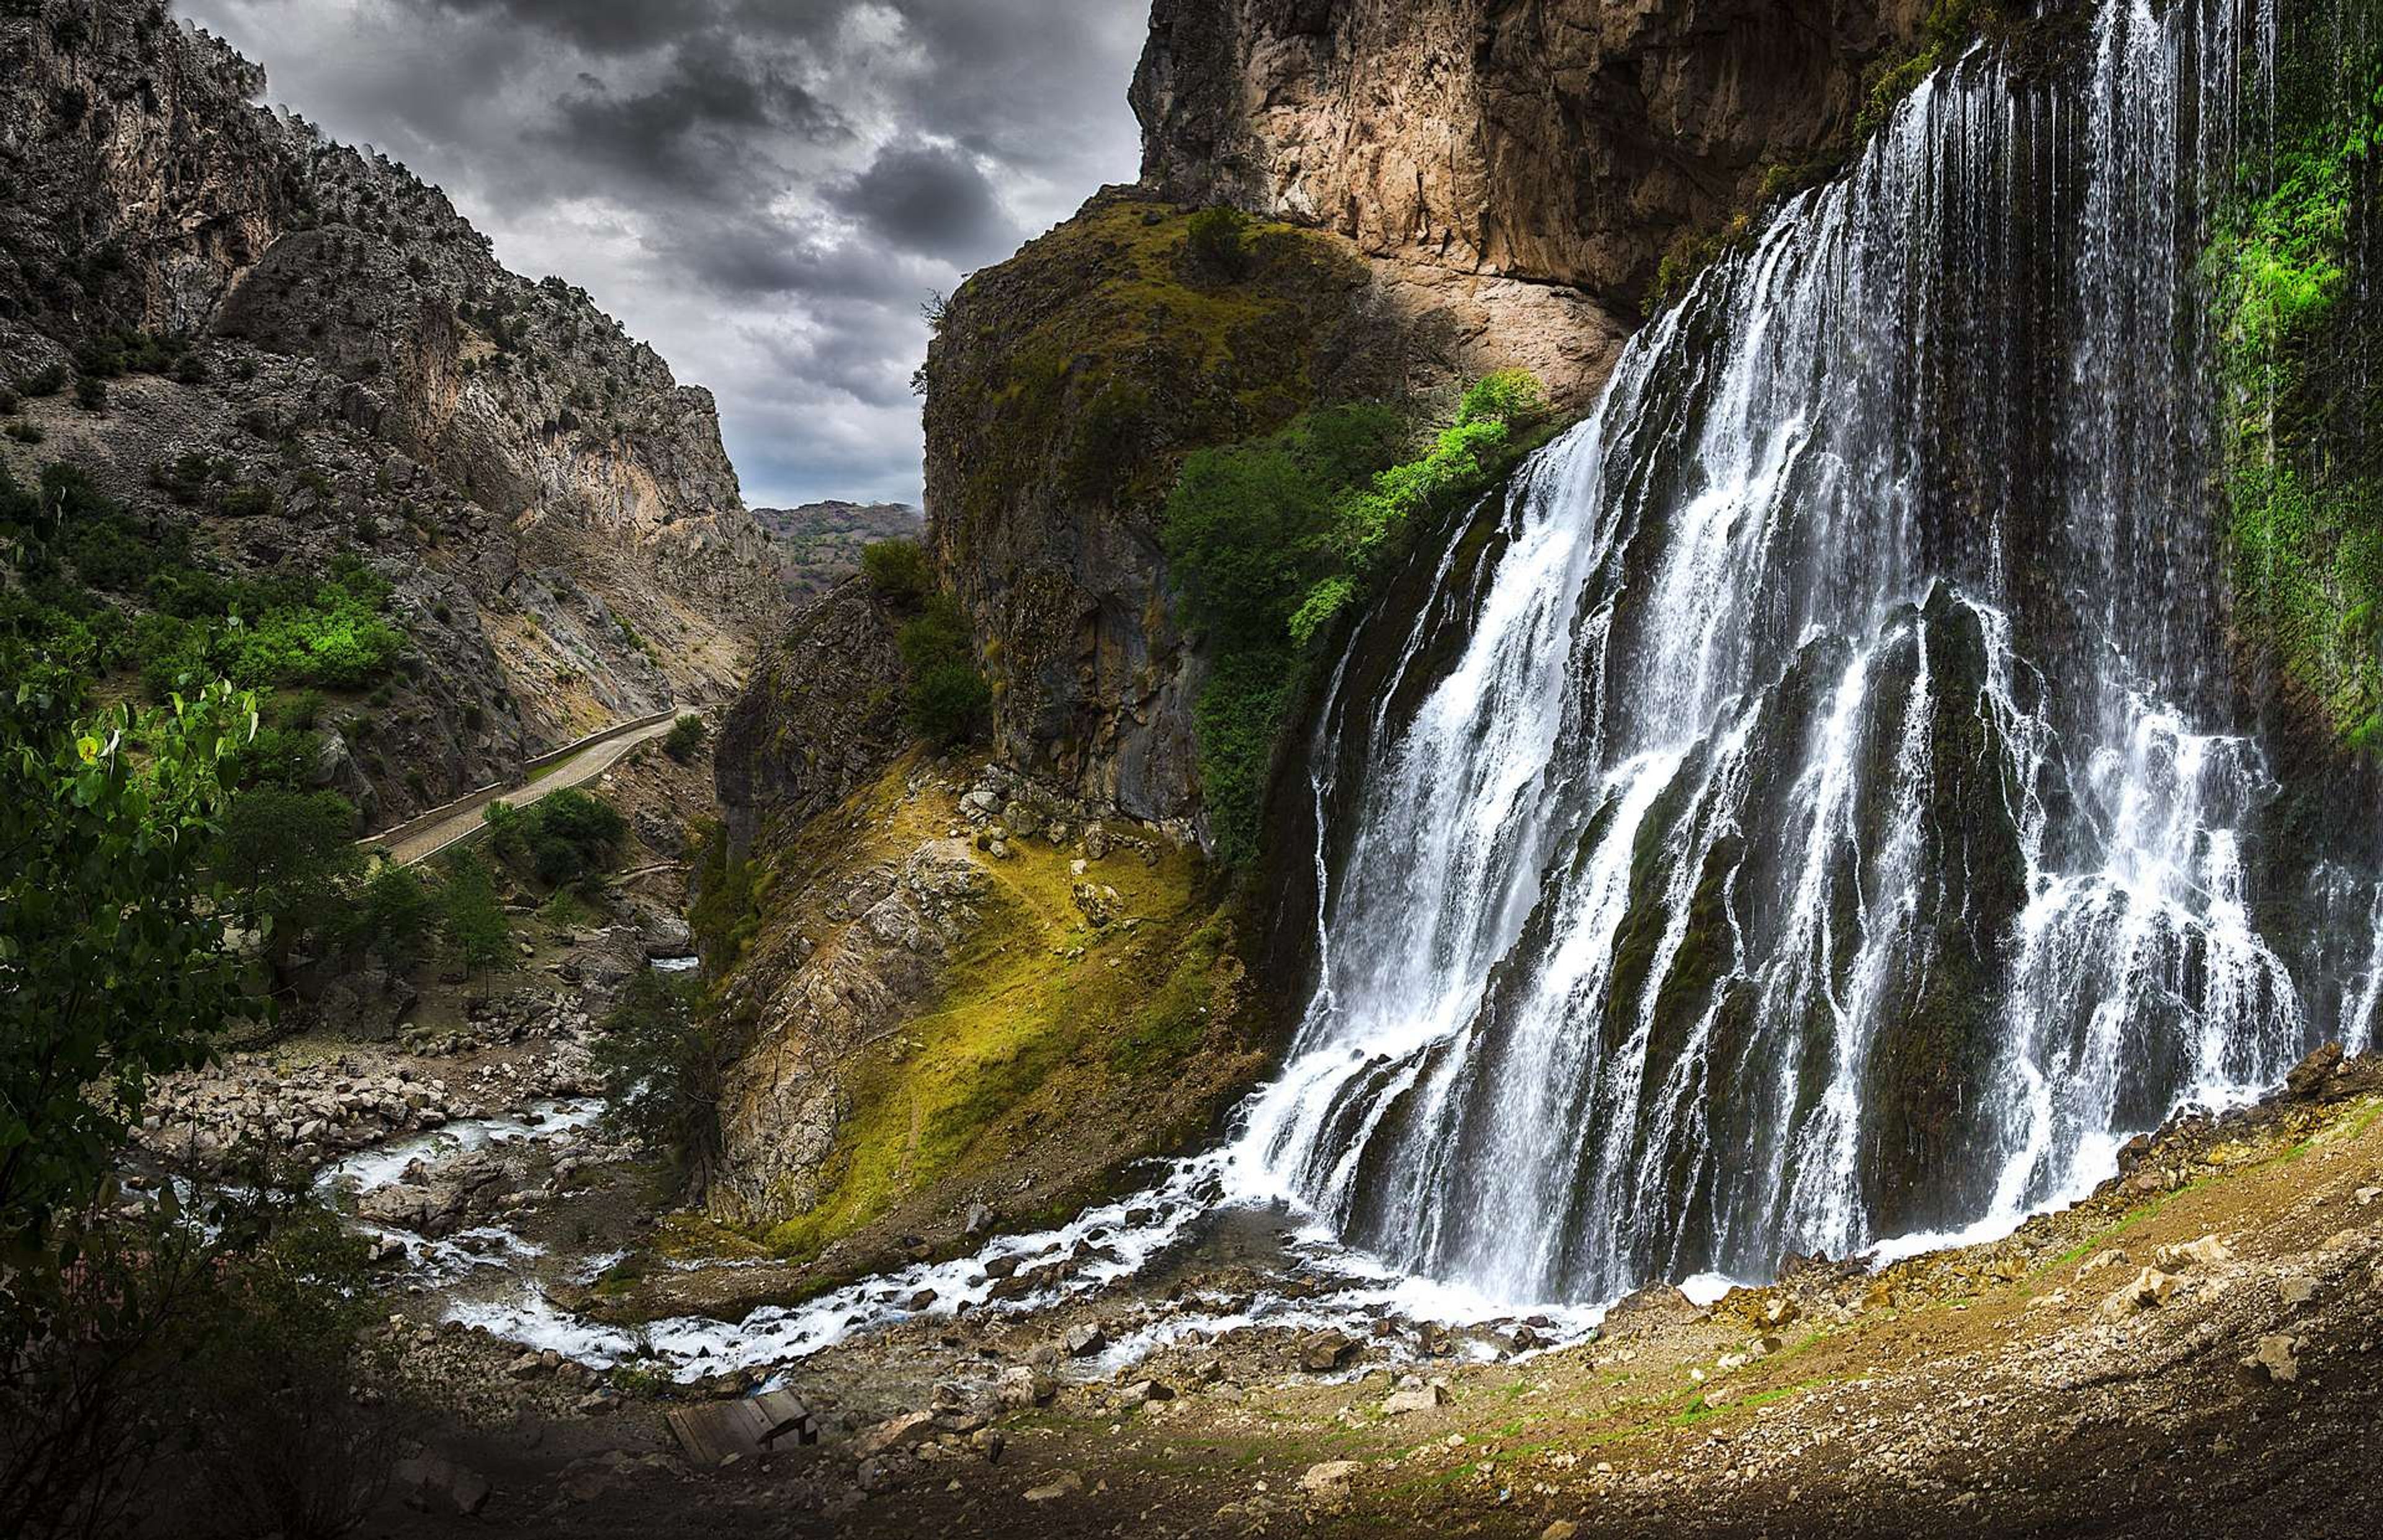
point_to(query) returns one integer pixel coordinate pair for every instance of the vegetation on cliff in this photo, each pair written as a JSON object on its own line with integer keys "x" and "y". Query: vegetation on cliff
{"x": 2298, "y": 351}
{"x": 1272, "y": 539}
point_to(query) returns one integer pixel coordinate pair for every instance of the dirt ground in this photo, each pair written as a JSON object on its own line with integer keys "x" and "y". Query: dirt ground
{"x": 2191, "y": 1351}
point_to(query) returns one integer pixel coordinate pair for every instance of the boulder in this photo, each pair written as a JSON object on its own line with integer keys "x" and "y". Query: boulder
{"x": 2149, "y": 1288}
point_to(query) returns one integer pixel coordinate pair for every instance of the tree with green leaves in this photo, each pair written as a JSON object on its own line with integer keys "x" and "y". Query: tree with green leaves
{"x": 117, "y": 960}
{"x": 292, "y": 856}
{"x": 470, "y": 917}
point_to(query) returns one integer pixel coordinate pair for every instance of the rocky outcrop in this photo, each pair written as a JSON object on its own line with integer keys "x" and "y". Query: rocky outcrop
{"x": 563, "y": 527}
{"x": 820, "y": 717}
{"x": 1561, "y": 142}
{"x": 1064, "y": 387}
{"x": 1457, "y": 188}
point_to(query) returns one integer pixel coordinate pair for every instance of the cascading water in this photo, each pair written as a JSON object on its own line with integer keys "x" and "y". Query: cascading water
{"x": 1809, "y": 812}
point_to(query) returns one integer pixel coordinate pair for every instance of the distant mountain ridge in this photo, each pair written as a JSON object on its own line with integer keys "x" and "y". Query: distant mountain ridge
{"x": 818, "y": 544}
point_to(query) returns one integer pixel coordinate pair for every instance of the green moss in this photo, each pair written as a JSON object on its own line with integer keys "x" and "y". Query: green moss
{"x": 1039, "y": 1015}
{"x": 2303, "y": 485}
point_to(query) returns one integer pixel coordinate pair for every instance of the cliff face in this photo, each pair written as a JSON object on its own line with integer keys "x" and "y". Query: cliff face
{"x": 1553, "y": 141}
{"x": 1488, "y": 185}
{"x": 563, "y": 527}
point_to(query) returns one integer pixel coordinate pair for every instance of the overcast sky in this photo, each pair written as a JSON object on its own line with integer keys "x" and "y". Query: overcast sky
{"x": 764, "y": 189}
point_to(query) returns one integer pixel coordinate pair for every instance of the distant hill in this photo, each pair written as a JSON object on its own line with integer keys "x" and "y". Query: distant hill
{"x": 818, "y": 544}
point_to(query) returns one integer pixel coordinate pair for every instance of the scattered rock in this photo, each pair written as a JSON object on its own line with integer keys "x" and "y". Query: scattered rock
{"x": 1328, "y": 1484}
{"x": 1326, "y": 1351}
{"x": 1085, "y": 1340}
{"x": 2278, "y": 1357}
{"x": 1421, "y": 1398}
{"x": 1065, "y": 1484}
{"x": 894, "y": 1433}
{"x": 2208, "y": 1251}
{"x": 2151, "y": 1286}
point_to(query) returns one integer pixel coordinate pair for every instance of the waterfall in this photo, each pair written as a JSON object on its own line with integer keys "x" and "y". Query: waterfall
{"x": 1812, "y": 807}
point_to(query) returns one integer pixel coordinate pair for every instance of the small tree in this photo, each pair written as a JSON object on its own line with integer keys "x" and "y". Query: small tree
{"x": 469, "y": 916}
{"x": 950, "y": 699}
{"x": 291, "y": 854}
{"x": 684, "y": 738}
{"x": 898, "y": 572}
{"x": 395, "y": 915}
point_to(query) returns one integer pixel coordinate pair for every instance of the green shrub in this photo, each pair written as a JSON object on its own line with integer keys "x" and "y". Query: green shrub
{"x": 395, "y": 913}
{"x": 27, "y": 433}
{"x": 48, "y": 380}
{"x": 684, "y": 738}
{"x": 951, "y": 702}
{"x": 90, "y": 393}
{"x": 1269, "y": 541}
{"x": 246, "y": 502}
{"x": 898, "y": 572}
{"x": 566, "y": 836}
{"x": 289, "y": 853}
{"x": 1218, "y": 242}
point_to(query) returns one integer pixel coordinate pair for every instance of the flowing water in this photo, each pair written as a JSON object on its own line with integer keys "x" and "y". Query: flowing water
{"x": 1812, "y": 812}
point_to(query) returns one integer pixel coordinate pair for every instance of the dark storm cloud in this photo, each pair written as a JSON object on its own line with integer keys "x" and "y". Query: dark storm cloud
{"x": 604, "y": 25}
{"x": 923, "y": 198}
{"x": 766, "y": 190}
{"x": 704, "y": 130}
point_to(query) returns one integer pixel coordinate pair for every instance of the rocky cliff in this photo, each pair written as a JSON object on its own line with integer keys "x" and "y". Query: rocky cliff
{"x": 354, "y": 371}
{"x": 1449, "y": 189}
{"x": 1435, "y": 192}
{"x": 1564, "y": 143}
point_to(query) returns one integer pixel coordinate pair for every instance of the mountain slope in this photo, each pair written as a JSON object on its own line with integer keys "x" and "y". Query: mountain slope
{"x": 306, "y": 351}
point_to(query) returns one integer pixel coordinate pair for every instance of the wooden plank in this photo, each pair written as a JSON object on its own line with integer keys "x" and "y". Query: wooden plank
{"x": 713, "y": 1431}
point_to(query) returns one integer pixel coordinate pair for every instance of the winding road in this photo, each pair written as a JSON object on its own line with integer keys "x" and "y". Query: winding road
{"x": 587, "y": 764}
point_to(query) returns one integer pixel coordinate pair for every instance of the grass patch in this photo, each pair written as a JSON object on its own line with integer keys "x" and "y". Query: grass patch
{"x": 1037, "y": 1011}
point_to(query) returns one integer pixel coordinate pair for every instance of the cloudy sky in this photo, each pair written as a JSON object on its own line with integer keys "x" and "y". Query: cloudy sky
{"x": 765, "y": 190}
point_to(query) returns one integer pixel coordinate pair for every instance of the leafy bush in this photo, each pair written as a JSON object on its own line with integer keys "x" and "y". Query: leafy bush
{"x": 394, "y": 916}
{"x": 48, "y": 380}
{"x": 950, "y": 700}
{"x": 898, "y": 572}
{"x": 684, "y": 738}
{"x": 289, "y": 853}
{"x": 1269, "y": 541}
{"x": 90, "y": 393}
{"x": 566, "y": 835}
{"x": 113, "y": 920}
{"x": 1218, "y": 242}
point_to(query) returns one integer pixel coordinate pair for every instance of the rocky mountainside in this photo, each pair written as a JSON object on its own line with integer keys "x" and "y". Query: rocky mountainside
{"x": 1065, "y": 388}
{"x": 1443, "y": 190}
{"x": 306, "y": 351}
